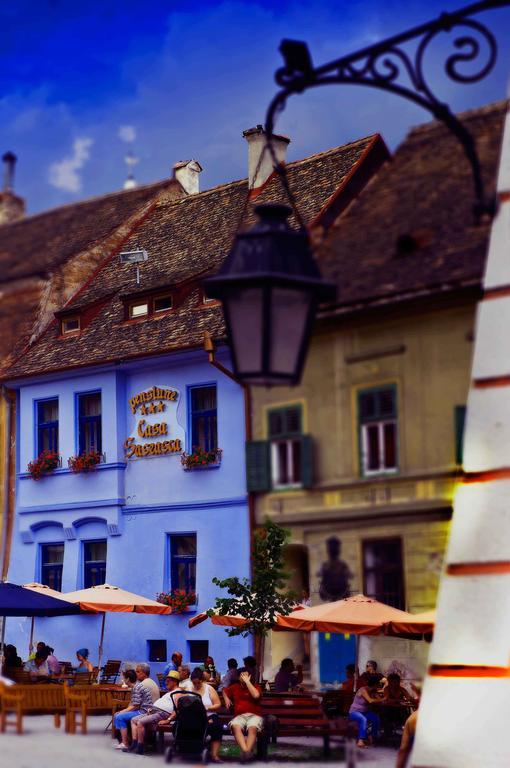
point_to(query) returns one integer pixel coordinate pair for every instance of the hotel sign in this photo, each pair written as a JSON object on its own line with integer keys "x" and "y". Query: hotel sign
{"x": 158, "y": 432}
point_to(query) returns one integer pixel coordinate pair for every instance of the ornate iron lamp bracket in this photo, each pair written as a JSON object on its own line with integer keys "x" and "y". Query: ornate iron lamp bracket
{"x": 389, "y": 66}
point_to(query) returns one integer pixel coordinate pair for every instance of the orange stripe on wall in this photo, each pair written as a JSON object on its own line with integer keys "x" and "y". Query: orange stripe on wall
{"x": 492, "y": 381}
{"x": 497, "y": 292}
{"x": 461, "y": 670}
{"x": 477, "y": 569}
{"x": 487, "y": 476}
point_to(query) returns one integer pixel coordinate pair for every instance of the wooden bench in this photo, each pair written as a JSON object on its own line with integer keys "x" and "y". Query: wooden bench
{"x": 295, "y": 715}
{"x": 85, "y": 700}
{"x": 18, "y": 700}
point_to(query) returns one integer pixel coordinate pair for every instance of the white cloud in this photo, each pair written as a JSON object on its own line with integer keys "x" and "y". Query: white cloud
{"x": 63, "y": 174}
{"x": 127, "y": 133}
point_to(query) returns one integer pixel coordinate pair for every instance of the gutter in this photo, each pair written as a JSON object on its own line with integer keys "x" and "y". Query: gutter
{"x": 9, "y": 479}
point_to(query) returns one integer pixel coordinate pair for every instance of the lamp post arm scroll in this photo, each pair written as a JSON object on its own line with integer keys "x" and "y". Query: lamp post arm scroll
{"x": 390, "y": 65}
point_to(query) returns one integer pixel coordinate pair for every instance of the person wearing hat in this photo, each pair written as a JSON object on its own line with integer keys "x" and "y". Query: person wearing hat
{"x": 162, "y": 711}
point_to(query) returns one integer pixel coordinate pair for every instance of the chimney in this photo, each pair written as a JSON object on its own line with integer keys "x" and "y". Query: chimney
{"x": 262, "y": 169}
{"x": 186, "y": 173}
{"x": 12, "y": 207}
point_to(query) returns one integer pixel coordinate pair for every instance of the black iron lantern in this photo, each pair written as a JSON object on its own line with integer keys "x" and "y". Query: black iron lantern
{"x": 270, "y": 287}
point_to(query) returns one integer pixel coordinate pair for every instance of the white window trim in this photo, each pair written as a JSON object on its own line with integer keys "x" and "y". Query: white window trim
{"x": 67, "y": 331}
{"x": 274, "y": 464}
{"x": 364, "y": 448}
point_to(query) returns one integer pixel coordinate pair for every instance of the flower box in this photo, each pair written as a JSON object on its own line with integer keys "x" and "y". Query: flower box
{"x": 85, "y": 462}
{"x": 46, "y": 463}
{"x": 178, "y": 599}
{"x": 200, "y": 459}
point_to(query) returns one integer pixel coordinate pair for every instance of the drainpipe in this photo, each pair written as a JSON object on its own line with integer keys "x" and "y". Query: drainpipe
{"x": 9, "y": 458}
{"x": 209, "y": 348}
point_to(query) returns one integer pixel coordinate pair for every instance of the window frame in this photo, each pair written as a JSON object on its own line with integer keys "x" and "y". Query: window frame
{"x": 288, "y": 438}
{"x": 84, "y": 544}
{"x": 175, "y": 560}
{"x": 380, "y": 421}
{"x": 204, "y": 413}
{"x": 382, "y": 597}
{"x": 46, "y": 425}
{"x": 42, "y": 564}
{"x": 89, "y": 420}
{"x": 162, "y": 296}
{"x": 66, "y": 331}
{"x": 140, "y": 303}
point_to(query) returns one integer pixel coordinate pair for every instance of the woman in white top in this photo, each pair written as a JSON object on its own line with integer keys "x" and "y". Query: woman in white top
{"x": 212, "y": 703}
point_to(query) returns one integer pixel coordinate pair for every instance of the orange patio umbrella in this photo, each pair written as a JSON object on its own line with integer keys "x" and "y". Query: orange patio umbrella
{"x": 357, "y": 615}
{"x": 43, "y": 590}
{"x": 106, "y": 598}
{"x": 415, "y": 624}
{"x": 216, "y": 618}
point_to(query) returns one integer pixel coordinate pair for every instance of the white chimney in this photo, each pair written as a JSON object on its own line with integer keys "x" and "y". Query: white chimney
{"x": 256, "y": 138}
{"x": 186, "y": 173}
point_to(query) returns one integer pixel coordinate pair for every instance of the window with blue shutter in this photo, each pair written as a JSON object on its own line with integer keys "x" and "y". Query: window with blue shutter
{"x": 89, "y": 423}
{"x": 47, "y": 425}
{"x": 204, "y": 420}
{"x": 183, "y": 562}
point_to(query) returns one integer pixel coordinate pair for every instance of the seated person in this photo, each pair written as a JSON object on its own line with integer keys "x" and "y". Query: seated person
{"x": 38, "y": 667}
{"x": 11, "y": 658}
{"x": 250, "y": 664}
{"x": 245, "y": 696}
{"x": 394, "y": 693}
{"x": 212, "y": 703}
{"x": 129, "y": 678}
{"x": 161, "y": 712}
{"x": 231, "y": 675}
{"x": 184, "y": 672}
{"x": 348, "y": 683}
{"x": 174, "y": 664}
{"x": 288, "y": 677}
{"x": 211, "y": 676}
{"x": 360, "y": 711}
{"x": 53, "y": 662}
{"x": 143, "y": 695}
{"x": 84, "y": 665}
{"x": 370, "y": 670}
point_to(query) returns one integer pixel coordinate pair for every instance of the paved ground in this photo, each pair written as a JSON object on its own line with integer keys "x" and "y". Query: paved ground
{"x": 43, "y": 746}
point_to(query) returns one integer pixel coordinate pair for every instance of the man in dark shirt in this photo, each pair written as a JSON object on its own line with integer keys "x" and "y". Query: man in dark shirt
{"x": 288, "y": 677}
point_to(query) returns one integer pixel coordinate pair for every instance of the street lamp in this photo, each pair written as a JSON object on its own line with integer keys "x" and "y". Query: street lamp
{"x": 270, "y": 287}
{"x": 269, "y": 284}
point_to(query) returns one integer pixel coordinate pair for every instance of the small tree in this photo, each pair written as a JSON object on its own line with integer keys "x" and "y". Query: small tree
{"x": 263, "y": 597}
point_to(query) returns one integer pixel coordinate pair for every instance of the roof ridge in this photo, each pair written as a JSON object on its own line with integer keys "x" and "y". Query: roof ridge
{"x": 431, "y": 126}
{"x": 85, "y": 201}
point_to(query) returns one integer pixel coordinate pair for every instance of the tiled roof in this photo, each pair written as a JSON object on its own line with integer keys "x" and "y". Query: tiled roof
{"x": 411, "y": 231}
{"x": 185, "y": 240}
{"x": 36, "y": 244}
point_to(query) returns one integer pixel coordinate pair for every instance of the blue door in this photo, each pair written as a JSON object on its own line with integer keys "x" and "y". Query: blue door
{"x": 335, "y": 652}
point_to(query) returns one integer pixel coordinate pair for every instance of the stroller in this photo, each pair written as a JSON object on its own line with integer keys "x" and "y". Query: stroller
{"x": 190, "y": 730}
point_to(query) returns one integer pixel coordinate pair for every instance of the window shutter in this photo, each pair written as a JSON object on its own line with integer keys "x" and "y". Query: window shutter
{"x": 460, "y": 418}
{"x": 258, "y": 469}
{"x": 307, "y": 461}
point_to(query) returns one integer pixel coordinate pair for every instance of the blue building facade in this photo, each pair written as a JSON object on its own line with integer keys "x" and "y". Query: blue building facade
{"x": 141, "y": 520}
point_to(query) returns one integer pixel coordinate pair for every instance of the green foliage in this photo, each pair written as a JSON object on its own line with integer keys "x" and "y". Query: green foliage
{"x": 263, "y": 597}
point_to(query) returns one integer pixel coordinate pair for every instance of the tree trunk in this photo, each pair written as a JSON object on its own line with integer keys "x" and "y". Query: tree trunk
{"x": 260, "y": 643}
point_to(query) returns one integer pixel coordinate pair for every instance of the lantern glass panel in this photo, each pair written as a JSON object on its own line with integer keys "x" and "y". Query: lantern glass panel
{"x": 289, "y": 314}
{"x": 246, "y": 316}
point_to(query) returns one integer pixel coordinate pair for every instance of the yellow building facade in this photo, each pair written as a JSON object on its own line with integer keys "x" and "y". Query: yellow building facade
{"x": 425, "y": 358}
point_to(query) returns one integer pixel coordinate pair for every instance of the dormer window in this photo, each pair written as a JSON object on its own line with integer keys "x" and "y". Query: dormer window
{"x": 70, "y": 325}
{"x": 163, "y": 302}
{"x": 206, "y": 300}
{"x": 138, "y": 309}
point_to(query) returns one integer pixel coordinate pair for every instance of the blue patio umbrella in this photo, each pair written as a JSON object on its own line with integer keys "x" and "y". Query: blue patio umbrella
{"x": 18, "y": 601}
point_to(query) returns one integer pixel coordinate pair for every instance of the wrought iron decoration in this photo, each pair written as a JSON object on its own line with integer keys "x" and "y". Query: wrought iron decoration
{"x": 390, "y": 67}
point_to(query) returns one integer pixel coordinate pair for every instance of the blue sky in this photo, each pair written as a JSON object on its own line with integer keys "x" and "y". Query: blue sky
{"x": 84, "y": 81}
